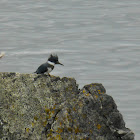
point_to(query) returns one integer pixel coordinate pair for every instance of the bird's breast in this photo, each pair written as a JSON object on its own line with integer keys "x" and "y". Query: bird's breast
{"x": 49, "y": 70}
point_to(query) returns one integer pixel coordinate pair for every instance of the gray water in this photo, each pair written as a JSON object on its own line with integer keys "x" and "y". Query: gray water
{"x": 96, "y": 40}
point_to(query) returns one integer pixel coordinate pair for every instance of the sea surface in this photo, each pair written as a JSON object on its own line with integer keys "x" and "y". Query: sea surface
{"x": 98, "y": 41}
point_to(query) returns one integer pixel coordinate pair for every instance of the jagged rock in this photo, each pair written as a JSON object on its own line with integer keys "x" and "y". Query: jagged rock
{"x": 40, "y": 107}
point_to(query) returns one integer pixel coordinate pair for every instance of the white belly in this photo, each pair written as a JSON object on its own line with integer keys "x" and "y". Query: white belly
{"x": 49, "y": 70}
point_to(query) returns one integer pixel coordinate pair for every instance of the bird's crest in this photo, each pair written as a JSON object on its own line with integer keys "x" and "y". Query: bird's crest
{"x": 53, "y": 56}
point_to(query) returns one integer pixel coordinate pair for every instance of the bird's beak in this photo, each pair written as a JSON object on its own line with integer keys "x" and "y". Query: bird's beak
{"x": 60, "y": 63}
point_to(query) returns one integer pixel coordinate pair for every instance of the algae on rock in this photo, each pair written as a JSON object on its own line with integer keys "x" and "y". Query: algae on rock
{"x": 39, "y": 107}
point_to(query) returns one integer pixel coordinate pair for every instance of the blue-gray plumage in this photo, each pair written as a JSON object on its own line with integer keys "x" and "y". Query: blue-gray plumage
{"x": 49, "y": 65}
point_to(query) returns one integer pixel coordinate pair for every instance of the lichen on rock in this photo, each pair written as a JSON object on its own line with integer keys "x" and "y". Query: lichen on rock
{"x": 39, "y": 107}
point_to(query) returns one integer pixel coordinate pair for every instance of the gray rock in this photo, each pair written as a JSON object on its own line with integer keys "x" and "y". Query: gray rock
{"x": 40, "y": 107}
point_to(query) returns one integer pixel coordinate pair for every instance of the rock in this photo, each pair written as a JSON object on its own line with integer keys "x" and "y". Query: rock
{"x": 40, "y": 107}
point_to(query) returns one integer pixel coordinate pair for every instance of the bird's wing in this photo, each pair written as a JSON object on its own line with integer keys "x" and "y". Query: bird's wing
{"x": 42, "y": 69}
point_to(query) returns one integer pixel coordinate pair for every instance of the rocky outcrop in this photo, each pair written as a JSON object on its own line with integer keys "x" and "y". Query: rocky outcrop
{"x": 40, "y": 107}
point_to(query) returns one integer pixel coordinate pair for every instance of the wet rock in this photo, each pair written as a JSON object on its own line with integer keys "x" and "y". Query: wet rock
{"x": 41, "y": 107}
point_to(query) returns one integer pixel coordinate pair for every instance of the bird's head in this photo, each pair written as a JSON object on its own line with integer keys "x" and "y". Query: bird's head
{"x": 54, "y": 59}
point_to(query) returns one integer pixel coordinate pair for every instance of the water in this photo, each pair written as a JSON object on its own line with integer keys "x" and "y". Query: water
{"x": 96, "y": 40}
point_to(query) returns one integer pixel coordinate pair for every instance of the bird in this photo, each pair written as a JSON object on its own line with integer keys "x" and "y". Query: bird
{"x": 49, "y": 65}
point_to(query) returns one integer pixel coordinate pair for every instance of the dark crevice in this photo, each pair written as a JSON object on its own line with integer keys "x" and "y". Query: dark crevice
{"x": 50, "y": 122}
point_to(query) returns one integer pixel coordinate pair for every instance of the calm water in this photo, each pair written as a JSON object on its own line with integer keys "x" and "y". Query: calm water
{"x": 96, "y": 40}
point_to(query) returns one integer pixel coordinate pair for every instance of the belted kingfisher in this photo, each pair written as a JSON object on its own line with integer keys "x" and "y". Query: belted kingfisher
{"x": 49, "y": 65}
